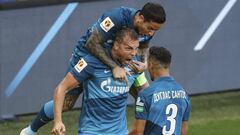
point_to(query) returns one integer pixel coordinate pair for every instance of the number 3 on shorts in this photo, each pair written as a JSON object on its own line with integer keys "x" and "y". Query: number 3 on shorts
{"x": 170, "y": 118}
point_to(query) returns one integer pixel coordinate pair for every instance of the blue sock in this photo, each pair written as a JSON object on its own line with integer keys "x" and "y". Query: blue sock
{"x": 44, "y": 116}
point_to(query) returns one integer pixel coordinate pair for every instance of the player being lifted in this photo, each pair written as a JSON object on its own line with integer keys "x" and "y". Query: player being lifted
{"x": 145, "y": 22}
{"x": 104, "y": 98}
{"x": 164, "y": 107}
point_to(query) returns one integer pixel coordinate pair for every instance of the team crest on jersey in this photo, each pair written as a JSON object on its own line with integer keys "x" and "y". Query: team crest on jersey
{"x": 106, "y": 24}
{"x": 80, "y": 65}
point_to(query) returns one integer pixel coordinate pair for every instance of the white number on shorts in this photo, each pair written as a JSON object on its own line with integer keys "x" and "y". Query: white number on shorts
{"x": 170, "y": 118}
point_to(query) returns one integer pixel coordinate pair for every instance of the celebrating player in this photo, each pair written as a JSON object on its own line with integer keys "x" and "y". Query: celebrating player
{"x": 145, "y": 22}
{"x": 163, "y": 108}
{"x": 105, "y": 98}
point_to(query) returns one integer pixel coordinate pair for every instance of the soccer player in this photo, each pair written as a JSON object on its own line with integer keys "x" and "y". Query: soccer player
{"x": 145, "y": 22}
{"x": 105, "y": 98}
{"x": 164, "y": 107}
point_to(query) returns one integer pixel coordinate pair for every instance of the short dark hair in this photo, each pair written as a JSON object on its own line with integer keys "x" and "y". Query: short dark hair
{"x": 153, "y": 12}
{"x": 160, "y": 55}
{"x": 132, "y": 34}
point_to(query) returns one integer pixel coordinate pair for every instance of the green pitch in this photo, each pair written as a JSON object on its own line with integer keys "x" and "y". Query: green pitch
{"x": 212, "y": 114}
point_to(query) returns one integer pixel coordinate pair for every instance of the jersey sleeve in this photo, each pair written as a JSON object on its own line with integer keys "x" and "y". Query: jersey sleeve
{"x": 142, "y": 108}
{"x": 144, "y": 40}
{"x": 187, "y": 111}
{"x": 109, "y": 23}
{"x": 82, "y": 70}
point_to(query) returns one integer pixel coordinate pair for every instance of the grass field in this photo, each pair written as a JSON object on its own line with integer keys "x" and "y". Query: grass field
{"x": 212, "y": 114}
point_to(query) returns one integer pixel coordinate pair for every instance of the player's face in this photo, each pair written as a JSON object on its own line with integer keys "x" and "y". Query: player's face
{"x": 147, "y": 27}
{"x": 127, "y": 49}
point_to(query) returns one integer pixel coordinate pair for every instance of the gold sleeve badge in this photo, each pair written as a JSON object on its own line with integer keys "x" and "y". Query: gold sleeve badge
{"x": 80, "y": 65}
{"x": 106, "y": 24}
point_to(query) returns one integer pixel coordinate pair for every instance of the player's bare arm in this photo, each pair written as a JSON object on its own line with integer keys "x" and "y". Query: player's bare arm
{"x": 94, "y": 46}
{"x": 184, "y": 128}
{"x": 68, "y": 83}
{"x": 69, "y": 101}
{"x": 139, "y": 127}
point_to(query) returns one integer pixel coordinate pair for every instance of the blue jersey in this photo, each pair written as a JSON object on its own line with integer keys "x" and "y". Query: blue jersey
{"x": 164, "y": 105}
{"x": 107, "y": 26}
{"x": 105, "y": 99}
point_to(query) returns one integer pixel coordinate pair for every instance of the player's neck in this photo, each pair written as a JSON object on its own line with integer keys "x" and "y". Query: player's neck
{"x": 160, "y": 73}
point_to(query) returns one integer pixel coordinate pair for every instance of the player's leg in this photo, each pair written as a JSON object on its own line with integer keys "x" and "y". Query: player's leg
{"x": 140, "y": 83}
{"x": 46, "y": 113}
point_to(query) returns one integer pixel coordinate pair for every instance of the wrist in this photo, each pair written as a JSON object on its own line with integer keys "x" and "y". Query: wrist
{"x": 57, "y": 120}
{"x": 113, "y": 66}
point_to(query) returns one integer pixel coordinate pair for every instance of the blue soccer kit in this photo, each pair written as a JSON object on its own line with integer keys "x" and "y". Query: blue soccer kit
{"x": 104, "y": 98}
{"x": 164, "y": 105}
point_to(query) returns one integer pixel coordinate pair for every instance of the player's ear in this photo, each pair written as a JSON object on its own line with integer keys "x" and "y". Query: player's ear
{"x": 149, "y": 64}
{"x": 117, "y": 46}
{"x": 141, "y": 18}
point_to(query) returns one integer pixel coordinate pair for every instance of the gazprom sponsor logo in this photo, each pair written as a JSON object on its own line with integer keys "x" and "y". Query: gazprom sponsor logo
{"x": 116, "y": 87}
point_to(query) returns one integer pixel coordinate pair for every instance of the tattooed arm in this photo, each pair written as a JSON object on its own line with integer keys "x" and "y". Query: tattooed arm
{"x": 94, "y": 46}
{"x": 68, "y": 83}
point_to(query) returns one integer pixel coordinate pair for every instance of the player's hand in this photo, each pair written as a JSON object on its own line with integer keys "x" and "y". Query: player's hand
{"x": 58, "y": 128}
{"x": 120, "y": 73}
{"x": 138, "y": 66}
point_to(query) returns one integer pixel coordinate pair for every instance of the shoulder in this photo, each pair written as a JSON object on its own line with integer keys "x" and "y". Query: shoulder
{"x": 127, "y": 15}
{"x": 122, "y": 10}
{"x": 147, "y": 91}
{"x": 127, "y": 10}
{"x": 120, "y": 13}
{"x": 178, "y": 85}
{"x": 187, "y": 96}
{"x": 92, "y": 61}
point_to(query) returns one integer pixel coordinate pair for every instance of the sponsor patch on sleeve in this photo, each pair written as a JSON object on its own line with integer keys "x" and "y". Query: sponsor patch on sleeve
{"x": 80, "y": 65}
{"x": 106, "y": 24}
{"x": 139, "y": 105}
{"x": 139, "y": 109}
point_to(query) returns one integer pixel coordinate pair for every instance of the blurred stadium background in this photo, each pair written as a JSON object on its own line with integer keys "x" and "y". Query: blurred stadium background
{"x": 37, "y": 38}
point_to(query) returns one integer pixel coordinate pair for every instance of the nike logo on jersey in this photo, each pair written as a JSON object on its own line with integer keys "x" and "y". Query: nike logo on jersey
{"x": 107, "y": 71}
